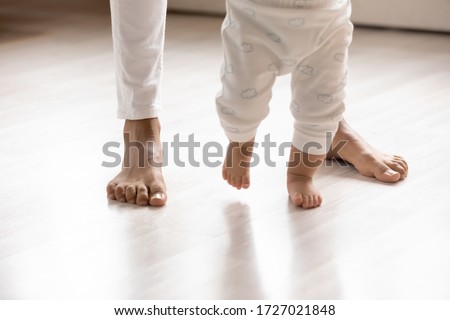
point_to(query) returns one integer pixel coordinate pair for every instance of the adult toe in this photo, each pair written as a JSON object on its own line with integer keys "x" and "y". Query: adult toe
{"x": 110, "y": 190}
{"x": 245, "y": 181}
{"x": 120, "y": 193}
{"x": 384, "y": 173}
{"x": 158, "y": 196}
{"x": 142, "y": 195}
{"x": 131, "y": 194}
{"x": 398, "y": 167}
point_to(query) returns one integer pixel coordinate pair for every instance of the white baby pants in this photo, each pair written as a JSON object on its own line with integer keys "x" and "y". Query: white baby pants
{"x": 266, "y": 38}
{"x": 138, "y": 36}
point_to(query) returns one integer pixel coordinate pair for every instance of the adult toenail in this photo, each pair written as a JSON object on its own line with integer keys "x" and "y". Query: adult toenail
{"x": 157, "y": 196}
{"x": 390, "y": 172}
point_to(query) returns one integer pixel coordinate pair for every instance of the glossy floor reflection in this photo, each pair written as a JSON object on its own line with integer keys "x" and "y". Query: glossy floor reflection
{"x": 61, "y": 238}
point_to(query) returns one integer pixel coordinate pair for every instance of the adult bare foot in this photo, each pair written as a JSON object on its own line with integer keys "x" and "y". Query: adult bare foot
{"x": 236, "y": 168}
{"x": 351, "y": 147}
{"x": 140, "y": 180}
{"x": 302, "y": 167}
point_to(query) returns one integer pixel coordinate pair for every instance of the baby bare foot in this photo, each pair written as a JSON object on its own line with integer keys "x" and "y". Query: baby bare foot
{"x": 140, "y": 180}
{"x": 301, "y": 170}
{"x": 302, "y": 191}
{"x": 351, "y": 147}
{"x": 236, "y": 168}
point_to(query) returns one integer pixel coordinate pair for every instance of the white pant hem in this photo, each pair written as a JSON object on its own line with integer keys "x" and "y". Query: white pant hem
{"x": 236, "y": 137}
{"x": 139, "y": 114}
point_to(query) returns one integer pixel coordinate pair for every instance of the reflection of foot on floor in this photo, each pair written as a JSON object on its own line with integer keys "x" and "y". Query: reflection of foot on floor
{"x": 139, "y": 182}
{"x": 366, "y": 159}
{"x": 300, "y": 174}
{"x": 236, "y": 168}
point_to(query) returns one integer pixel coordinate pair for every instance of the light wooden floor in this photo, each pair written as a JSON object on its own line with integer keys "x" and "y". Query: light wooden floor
{"x": 61, "y": 238}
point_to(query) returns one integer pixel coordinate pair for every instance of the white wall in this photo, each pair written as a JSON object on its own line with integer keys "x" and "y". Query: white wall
{"x": 415, "y": 14}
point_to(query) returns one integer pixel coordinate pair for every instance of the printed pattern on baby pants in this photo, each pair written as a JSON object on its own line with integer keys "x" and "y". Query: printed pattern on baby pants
{"x": 266, "y": 38}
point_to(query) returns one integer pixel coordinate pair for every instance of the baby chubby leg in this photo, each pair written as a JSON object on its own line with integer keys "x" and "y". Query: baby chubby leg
{"x": 236, "y": 168}
{"x": 318, "y": 91}
{"x": 301, "y": 170}
{"x": 247, "y": 80}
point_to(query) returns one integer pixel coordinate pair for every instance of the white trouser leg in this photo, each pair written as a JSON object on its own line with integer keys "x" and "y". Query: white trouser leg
{"x": 318, "y": 87}
{"x": 138, "y": 28}
{"x": 246, "y": 78}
